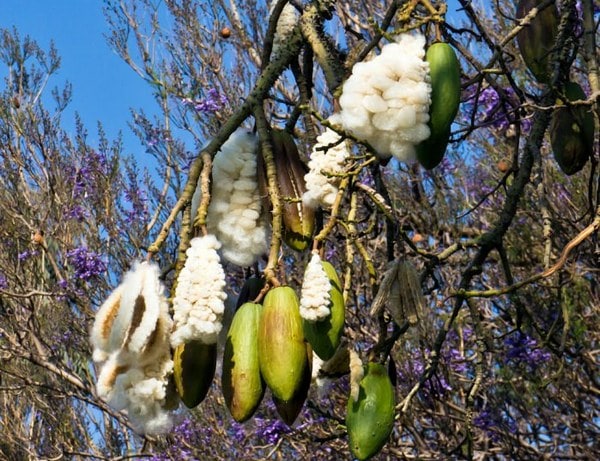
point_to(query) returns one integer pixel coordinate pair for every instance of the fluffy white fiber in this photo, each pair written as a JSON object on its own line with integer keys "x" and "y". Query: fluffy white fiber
{"x": 128, "y": 320}
{"x": 315, "y": 298}
{"x": 199, "y": 300}
{"x": 130, "y": 337}
{"x": 234, "y": 214}
{"x": 327, "y": 159}
{"x": 386, "y": 100}
{"x": 357, "y": 373}
{"x": 142, "y": 392}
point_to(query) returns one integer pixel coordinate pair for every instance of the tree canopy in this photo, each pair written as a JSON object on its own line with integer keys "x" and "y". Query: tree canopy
{"x": 429, "y": 226}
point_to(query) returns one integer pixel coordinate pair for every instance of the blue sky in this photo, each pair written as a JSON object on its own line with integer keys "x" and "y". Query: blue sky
{"x": 104, "y": 87}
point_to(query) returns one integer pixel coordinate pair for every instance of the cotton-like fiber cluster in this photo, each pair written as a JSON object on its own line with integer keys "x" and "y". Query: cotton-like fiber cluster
{"x": 130, "y": 337}
{"x": 357, "y": 373}
{"x": 199, "y": 300}
{"x": 386, "y": 100}
{"x": 234, "y": 214}
{"x": 327, "y": 160}
{"x": 315, "y": 298}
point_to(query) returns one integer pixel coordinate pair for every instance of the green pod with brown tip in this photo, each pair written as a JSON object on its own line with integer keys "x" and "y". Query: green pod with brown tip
{"x": 290, "y": 409}
{"x": 194, "y": 365}
{"x": 281, "y": 347}
{"x": 242, "y": 385}
{"x": 370, "y": 419}
{"x": 536, "y": 39}
{"x": 444, "y": 71}
{"x": 324, "y": 335}
{"x": 572, "y": 132}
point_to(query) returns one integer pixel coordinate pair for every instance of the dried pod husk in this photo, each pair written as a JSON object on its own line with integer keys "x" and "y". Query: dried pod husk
{"x": 444, "y": 70}
{"x": 370, "y": 419}
{"x": 281, "y": 348}
{"x": 536, "y": 40}
{"x": 572, "y": 132}
{"x": 388, "y": 291}
{"x": 324, "y": 335}
{"x": 338, "y": 365}
{"x": 298, "y": 219}
{"x": 194, "y": 365}
{"x": 412, "y": 300}
{"x": 241, "y": 382}
{"x": 290, "y": 409}
{"x": 250, "y": 291}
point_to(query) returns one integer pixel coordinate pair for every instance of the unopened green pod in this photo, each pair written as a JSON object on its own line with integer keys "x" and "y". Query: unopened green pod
{"x": 241, "y": 382}
{"x": 370, "y": 419}
{"x": 281, "y": 347}
{"x": 324, "y": 335}
{"x": 444, "y": 70}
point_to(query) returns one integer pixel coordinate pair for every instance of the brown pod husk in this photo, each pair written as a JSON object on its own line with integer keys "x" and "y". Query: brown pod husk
{"x": 536, "y": 40}
{"x": 572, "y": 132}
{"x": 298, "y": 219}
{"x": 412, "y": 300}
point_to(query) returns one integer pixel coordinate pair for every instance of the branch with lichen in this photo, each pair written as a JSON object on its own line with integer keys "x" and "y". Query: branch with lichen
{"x": 326, "y": 54}
{"x": 266, "y": 146}
{"x": 267, "y": 78}
{"x": 335, "y": 209}
{"x": 487, "y": 242}
{"x": 200, "y": 219}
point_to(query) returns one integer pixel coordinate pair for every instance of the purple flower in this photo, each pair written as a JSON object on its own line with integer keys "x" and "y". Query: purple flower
{"x": 524, "y": 350}
{"x": 86, "y": 264}
{"x": 271, "y": 431}
{"x": 3, "y": 282}
{"x": 213, "y": 102}
{"x": 77, "y": 213}
{"x": 26, "y": 254}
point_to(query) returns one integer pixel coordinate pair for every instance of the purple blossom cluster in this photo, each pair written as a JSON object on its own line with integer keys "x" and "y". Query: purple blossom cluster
{"x": 497, "y": 112}
{"x": 269, "y": 431}
{"x": 136, "y": 198}
{"x": 186, "y": 431}
{"x": 213, "y": 102}
{"x": 3, "y": 282}
{"x": 77, "y": 213}
{"x": 524, "y": 350}
{"x": 27, "y": 254}
{"x": 85, "y": 264}
{"x": 84, "y": 179}
{"x": 492, "y": 423}
{"x": 412, "y": 369}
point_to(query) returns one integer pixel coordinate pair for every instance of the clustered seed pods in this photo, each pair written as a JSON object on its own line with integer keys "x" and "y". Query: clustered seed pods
{"x": 143, "y": 353}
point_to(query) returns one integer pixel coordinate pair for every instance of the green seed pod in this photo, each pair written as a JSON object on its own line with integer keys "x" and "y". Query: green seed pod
{"x": 242, "y": 385}
{"x": 444, "y": 70}
{"x": 370, "y": 419}
{"x": 281, "y": 347}
{"x": 324, "y": 335}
